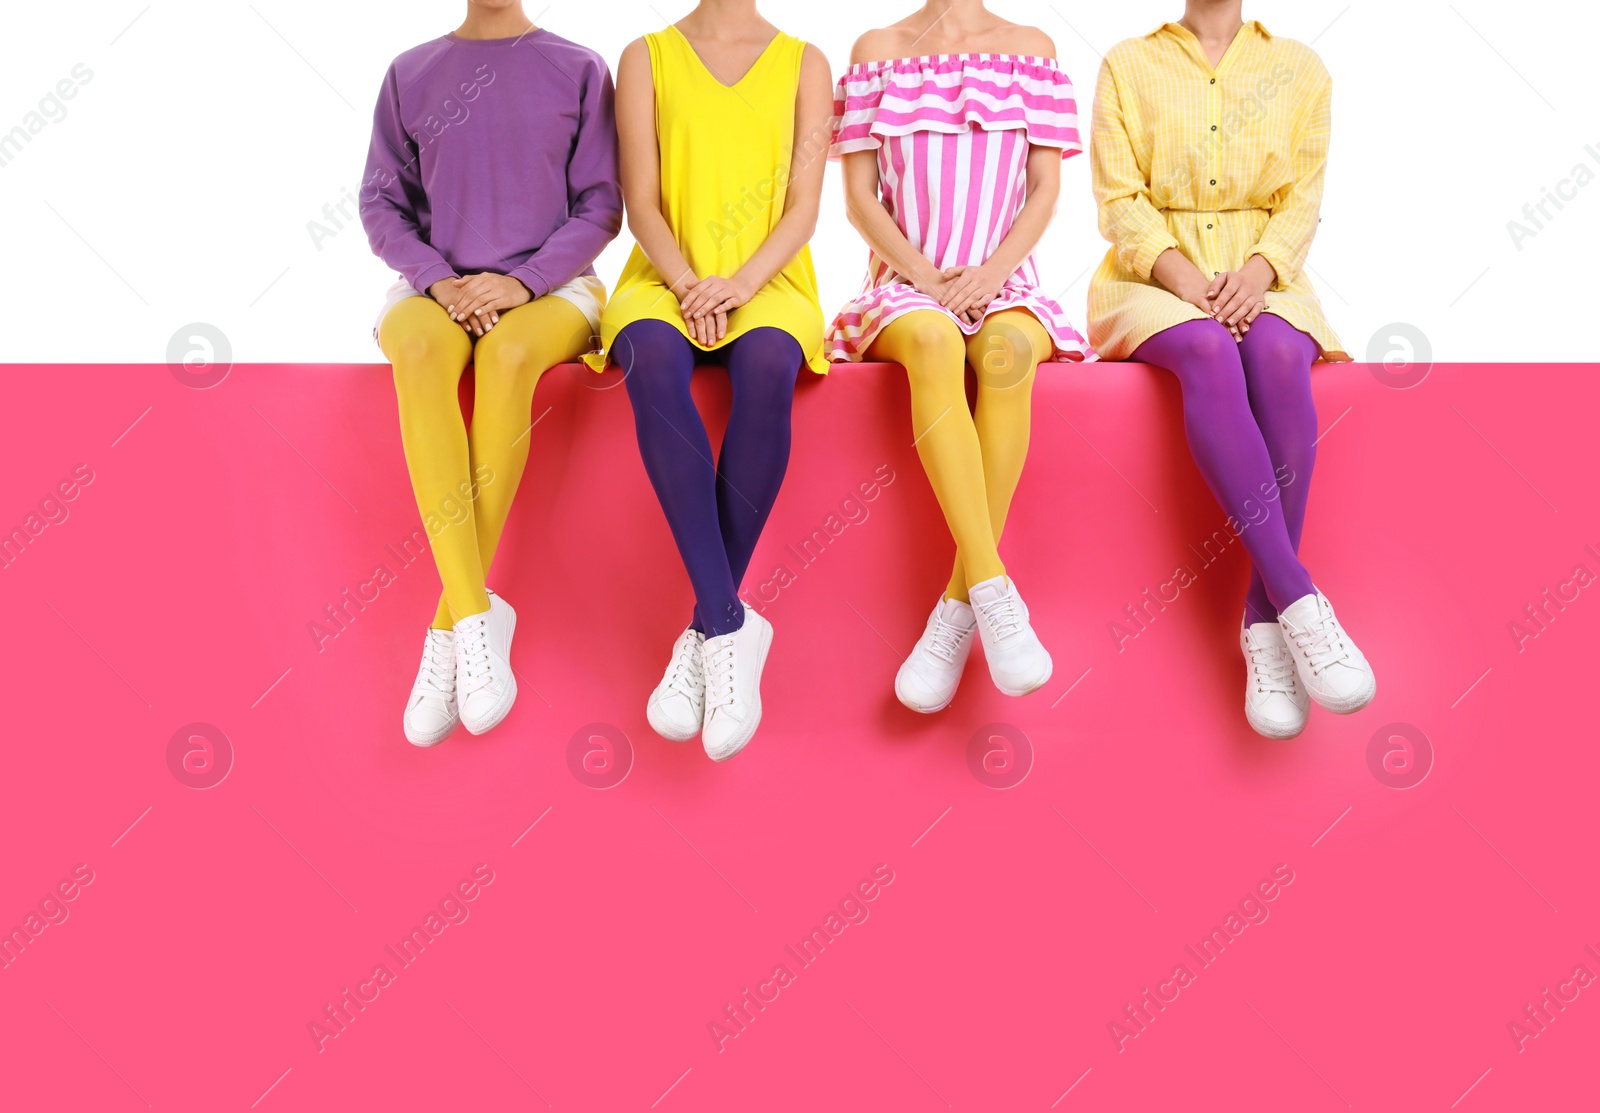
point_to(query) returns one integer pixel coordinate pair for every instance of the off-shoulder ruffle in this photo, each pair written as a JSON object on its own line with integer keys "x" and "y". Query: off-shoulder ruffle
{"x": 952, "y": 93}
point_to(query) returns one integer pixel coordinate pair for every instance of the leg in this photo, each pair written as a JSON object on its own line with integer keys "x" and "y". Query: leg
{"x": 1005, "y": 353}
{"x": 1277, "y": 372}
{"x": 1228, "y": 447}
{"x": 763, "y": 365}
{"x": 510, "y": 359}
{"x": 933, "y": 351}
{"x": 429, "y": 352}
{"x": 677, "y": 456}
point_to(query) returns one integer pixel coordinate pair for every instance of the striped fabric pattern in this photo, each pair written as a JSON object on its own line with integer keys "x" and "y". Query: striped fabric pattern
{"x": 952, "y": 133}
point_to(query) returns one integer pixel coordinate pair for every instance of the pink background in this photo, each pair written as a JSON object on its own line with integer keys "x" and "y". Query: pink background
{"x": 1019, "y": 923}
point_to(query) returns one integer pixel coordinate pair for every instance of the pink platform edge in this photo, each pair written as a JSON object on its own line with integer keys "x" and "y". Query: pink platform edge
{"x": 1036, "y": 867}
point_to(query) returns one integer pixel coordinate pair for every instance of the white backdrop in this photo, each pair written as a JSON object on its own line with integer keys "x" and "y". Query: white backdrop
{"x": 183, "y": 147}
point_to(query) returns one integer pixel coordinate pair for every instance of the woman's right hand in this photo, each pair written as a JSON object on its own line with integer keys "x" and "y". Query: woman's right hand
{"x": 939, "y": 288}
{"x": 446, "y": 293}
{"x": 1185, "y": 281}
{"x": 707, "y": 331}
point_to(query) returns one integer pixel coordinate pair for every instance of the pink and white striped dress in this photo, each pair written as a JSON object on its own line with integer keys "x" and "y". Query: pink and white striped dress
{"x": 952, "y": 132}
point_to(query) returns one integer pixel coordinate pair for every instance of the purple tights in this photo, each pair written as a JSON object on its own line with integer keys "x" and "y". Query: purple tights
{"x": 715, "y": 513}
{"x": 1252, "y": 428}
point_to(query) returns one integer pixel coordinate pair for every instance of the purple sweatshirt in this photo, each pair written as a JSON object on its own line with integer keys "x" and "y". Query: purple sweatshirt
{"x": 494, "y": 155}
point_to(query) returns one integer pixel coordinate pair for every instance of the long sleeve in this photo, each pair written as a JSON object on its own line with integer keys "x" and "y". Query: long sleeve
{"x": 1295, "y": 207}
{"x": 1127, "y": 217}
{"x": 392, "y": 196}
{"x": 594, "y": 199}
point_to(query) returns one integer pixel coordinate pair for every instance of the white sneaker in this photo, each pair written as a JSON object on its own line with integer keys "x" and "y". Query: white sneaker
{"x": 928, "y": 679}
{"x": 1018, "y": 664}
{"x": 431, "y": 714}
{"x": 1332, "y": 670}
{"x": 485, "y": 684}
{"x": 678, "y": 705}
{"x": 1274, "y": 701}
{"x": 733, "y": 664}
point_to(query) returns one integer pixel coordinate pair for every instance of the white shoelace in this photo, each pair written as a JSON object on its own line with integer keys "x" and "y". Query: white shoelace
{"x": 688, "y": 671}
{"x": 946, "y": 640}
{"x": 1005, "y": 615}
{"x": 1322, "y": 644}
{"x": 438, "y": 667}
{"x": 1273, "y": 669}
{"x": 472, "y": 656}
{"x": 719, "y": 674}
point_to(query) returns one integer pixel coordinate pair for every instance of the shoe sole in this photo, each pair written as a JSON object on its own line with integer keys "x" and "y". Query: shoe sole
{"x": 899, "y": 695}
{"x": 503, "y": 708}
{"x": 749, "y": 731}
{"x": 1277, "y": 734}
{"x": 904, "y": 702}
{"x": 1043, "y": 680}
{"x": 426, "y": 742}
{"x": 1352, "y": 705}
{"x": 649, "y": 718}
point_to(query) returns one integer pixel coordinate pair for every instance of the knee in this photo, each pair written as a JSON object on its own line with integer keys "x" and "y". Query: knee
{"x": 1007, "y": 349}
{"x": 423, "y": 367}
{"x": 935, "y": 351}
{"x": 656, "y": 368}
{"x": 1276, "y": 365}
{"x": 932, "y": 336}
{"x": 508, "y": 366}
{"x": 762, "y": 366}
{"x": 1209, "y": 343}
{"x": 416, "y": 348}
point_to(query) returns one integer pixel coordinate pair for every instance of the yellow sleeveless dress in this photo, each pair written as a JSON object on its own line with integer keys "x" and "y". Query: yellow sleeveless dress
{"x": 725, "y": 153}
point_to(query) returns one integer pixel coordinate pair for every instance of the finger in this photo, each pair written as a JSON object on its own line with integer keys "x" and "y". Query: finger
{"x": 1240, "y": 307}
{"x": 722, "y": 325}
{"x": 1226, "y": 303}
{"x": 468, "y": 301}
{"x": 1216, "y": 285}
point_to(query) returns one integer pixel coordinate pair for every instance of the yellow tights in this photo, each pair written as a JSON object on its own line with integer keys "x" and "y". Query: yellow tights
{"x": 973, "y": 458}
{"x": 465, "y": 480}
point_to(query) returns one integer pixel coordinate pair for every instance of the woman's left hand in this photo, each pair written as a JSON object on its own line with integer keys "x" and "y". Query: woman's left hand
{"x": 715, "y": 296}
{"x": 481, "y": 297}
{"x": 972, "y": 289}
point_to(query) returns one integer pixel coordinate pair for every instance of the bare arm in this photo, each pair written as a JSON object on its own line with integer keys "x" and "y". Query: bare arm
{"x": 640, "y": 166}
{"x": 869, "y": 217}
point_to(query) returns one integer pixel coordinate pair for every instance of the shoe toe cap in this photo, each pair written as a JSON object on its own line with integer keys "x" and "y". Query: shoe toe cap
{"x": 1277, "y": 716}
{"x": 485, "y": 707}
{"x": 1346, "y": 688}
{"x": 723, "y": 736}
{"x": 673, "y": 717}
{"x": 429, "y": 725}
{"x": 921, "y": 692}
